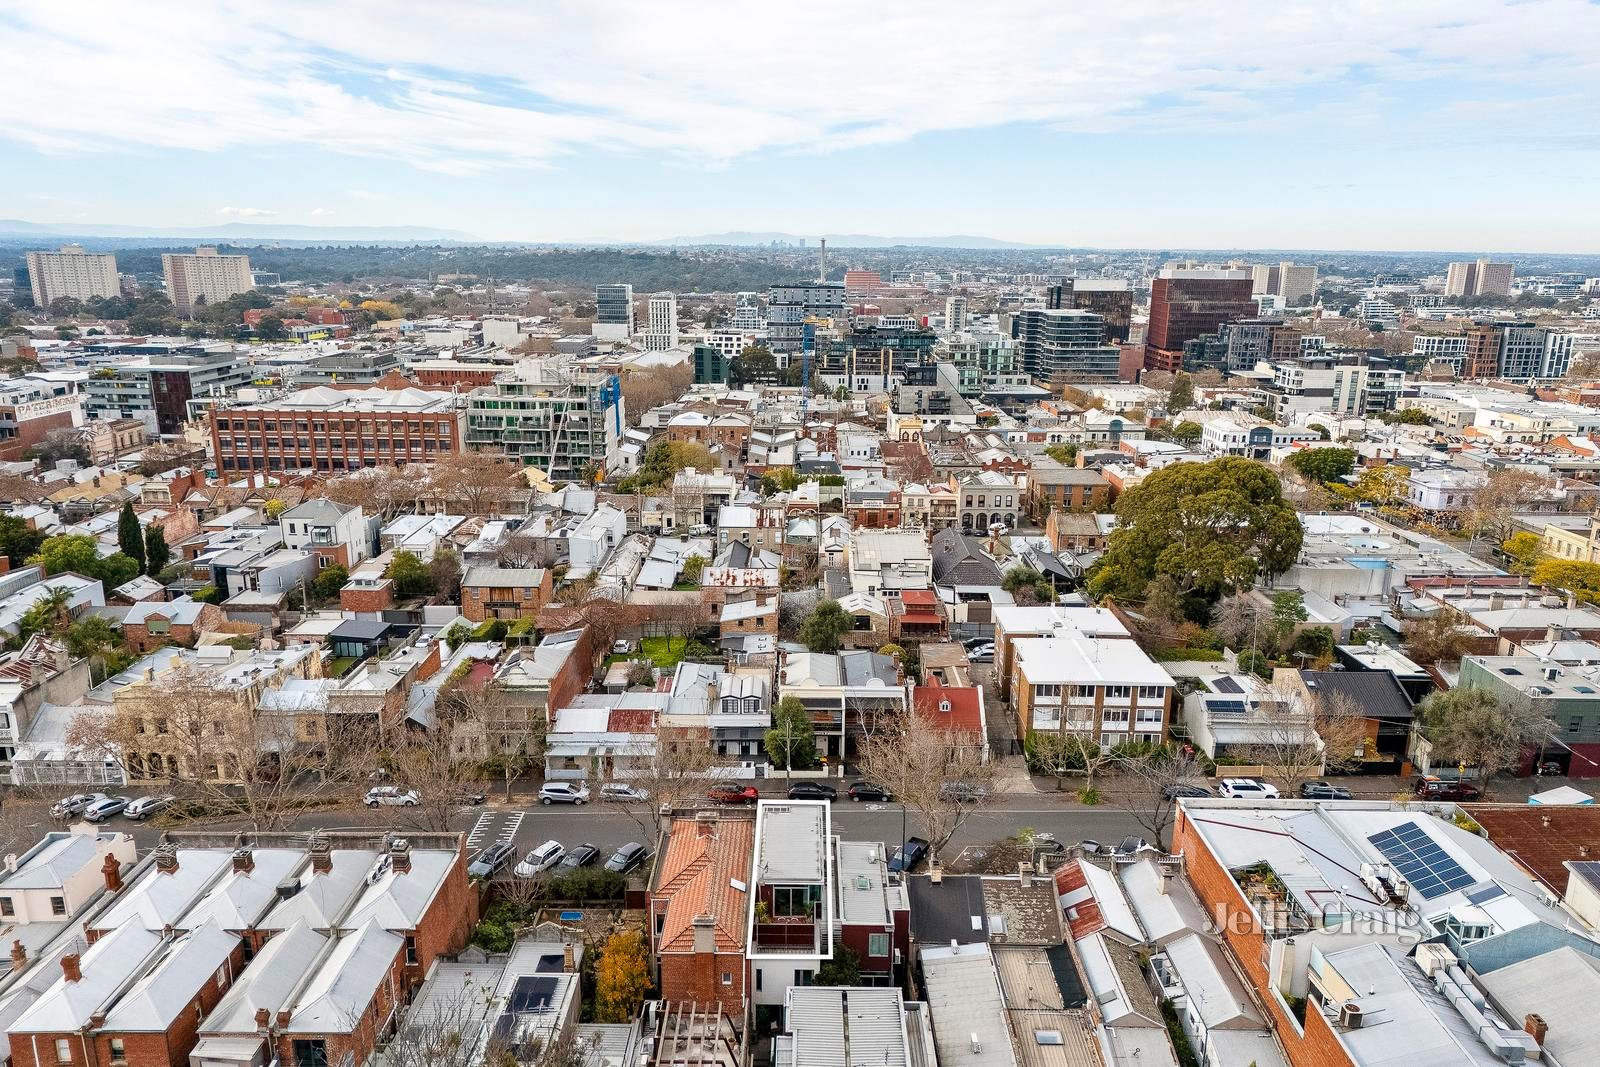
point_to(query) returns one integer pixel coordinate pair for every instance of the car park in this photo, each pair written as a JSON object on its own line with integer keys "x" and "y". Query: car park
{"x": 563, "y": 793}
{"x": 578, "y": 856}
{"x": 1323, "y": 791}
{"x": 1247, "y": 789}
{"x": 1432, "y": 787}
{"x": 541, "y": 859}
{"x": 75, "y": 804}
{"x": 733, "y": 793}
{"x": 1173, "y": 792}
{"x": 101, "y": 810}
{"x": 860, "y": 791}
{"x": 627, "y": 857}
{"x": 812, "y": 791}
{"x": 144, "y": 807}
{"x": 491, "y": 861}
{"x": 623, "y": 793}
{"x": 391, "y": 795}
{"x": 908, "y": 855}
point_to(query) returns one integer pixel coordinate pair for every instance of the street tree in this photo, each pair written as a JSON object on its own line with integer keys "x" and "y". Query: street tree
{"x": 1525, "y": 551}
{"x": 914, "y": 759}
{"x": 1145, "y": 788}
{"x": 791, "y": 742}
{"x": 1299, "y": 735}
{"x": 1324, "y": 464}
{"x": 1473, "y": 727}
{"x": 1212, "y": 527}
{"x": 1580, "y": 578}
{"x": 476, "y": 483}
{"x": 1495, "y": 504}
{"x": 1063, "y": 754}
{"x": 381, "y": 491}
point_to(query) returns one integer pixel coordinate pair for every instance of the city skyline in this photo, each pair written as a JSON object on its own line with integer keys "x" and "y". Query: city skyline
{"x": 1291, "y": 126}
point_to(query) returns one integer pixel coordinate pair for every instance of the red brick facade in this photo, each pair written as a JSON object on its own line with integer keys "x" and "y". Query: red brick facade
{"x": 367, "y": 598}
{"x": 140, "y": 638}
{"x": 480, "y": 603}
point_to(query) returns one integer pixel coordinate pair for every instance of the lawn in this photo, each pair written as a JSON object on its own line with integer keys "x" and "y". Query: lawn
{"x": 339, "y": 665}
{"x": 664, "y": 652}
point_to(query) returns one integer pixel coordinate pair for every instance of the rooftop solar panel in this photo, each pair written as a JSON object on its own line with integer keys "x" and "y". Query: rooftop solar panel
{"x": 1418, "y": 859}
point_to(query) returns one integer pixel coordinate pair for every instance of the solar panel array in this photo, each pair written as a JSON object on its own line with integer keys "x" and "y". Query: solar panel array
{"x": 1418, "y": 859}
{"x": 1225, "y": 707}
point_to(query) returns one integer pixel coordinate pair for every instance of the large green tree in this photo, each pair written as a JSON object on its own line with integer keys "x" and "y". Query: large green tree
{"x": 1474, "y": 727}
{"x": 410, "y": 574}
{"x": 18, "y": 540}
{"x": 80, "y": 554}
{"x": 824, "y": 629}
{"x": 1213, "y": 528}
{"x": 130, "y": 537}
{"x": 1324, "y": 464}
{"x": 156, "y": 552}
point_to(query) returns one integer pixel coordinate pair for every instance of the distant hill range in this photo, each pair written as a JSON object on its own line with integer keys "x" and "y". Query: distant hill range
{"x": 843, "y": 240}
{"x": 232, "y": 232}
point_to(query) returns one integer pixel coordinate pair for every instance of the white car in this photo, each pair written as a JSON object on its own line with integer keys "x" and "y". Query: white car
{"x": 621, "y": 792}
{"x": 563, "y": 793}
{"x": 1247, "y": 789}
{"x": 540, "y": 859}
{"x": 391, "y": 794}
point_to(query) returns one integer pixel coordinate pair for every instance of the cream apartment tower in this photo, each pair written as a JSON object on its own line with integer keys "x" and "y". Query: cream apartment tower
{"x": 71, "y": 272}
{"x": 203, "y": 275}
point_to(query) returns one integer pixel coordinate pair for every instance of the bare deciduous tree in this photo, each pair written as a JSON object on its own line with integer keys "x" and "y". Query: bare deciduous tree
{"x": 1299, "y": 734}
{"x": 1148, "y": 784}
{"x": 646, "y": 389}
{"x": 476, "y": 483}
{"x": 380, "y": 491}
{"x": 1507, "y": 492}
{"x": 519, "y": 551}
{"x": 1440, "y": 638}
{"x": 916, "y": 760}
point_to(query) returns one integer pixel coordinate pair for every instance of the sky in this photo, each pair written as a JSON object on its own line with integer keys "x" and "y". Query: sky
{"x": 1342, "y": 124}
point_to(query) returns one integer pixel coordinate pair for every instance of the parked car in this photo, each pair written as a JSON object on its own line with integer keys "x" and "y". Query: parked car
{"x": 620, "y": 646}
{"x": 627, "y": 857}
{"x": 908, "y": 855}
{"x": 101, "y": 810}
{"x": 1045, "y": 845}
{"x": 733, "y": 793}
{"x": 491, "y": 860}
{"x": 580, "y": 856}
{"x": 1173, "y": 792}
{"x": 471, "y": 796}
{"x": 963, "y": 792}
{"x": 812, "y": 791}
{"x": 622, "y": 792}
{"x": 1247, "y": 789}
{"x": 144, "y": 807}
{"x": 1131, "y": 844}
{"x": 563, "y": 793}
{"x": 1323, "y": 791}
{"x": 75, "y": 804}
{"x": 860, "y": 791}
{"x": 540, "y": 859}
{"x": 1432, "y": 787}
{"x": 983, "y": 653}
{"x": 1091, "y": 847}
{"x": 391, "y": 795}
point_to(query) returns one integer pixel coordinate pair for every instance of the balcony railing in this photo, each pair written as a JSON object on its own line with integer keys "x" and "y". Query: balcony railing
{"x": 786, "y": 934}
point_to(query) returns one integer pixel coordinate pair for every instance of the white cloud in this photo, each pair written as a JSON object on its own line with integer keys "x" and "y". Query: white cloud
{"x": 322, "y": 212}
{"x": 245, "y": 212}
{"x": 492, "y": 85}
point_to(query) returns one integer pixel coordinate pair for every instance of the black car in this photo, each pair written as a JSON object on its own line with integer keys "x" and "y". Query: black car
{"x": 579, "y": 856}
{"x": 812, "y": 791}
{"x": 1173, "y": 792}
{"x": 627, "y": 857}
{"x": 908, "y": 855}
{"x": 1323, "y": 791}
{"x": 860, "y": 791}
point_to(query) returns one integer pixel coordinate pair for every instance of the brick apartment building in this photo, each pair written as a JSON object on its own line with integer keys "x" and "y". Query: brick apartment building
{"x": 323, "y": 428}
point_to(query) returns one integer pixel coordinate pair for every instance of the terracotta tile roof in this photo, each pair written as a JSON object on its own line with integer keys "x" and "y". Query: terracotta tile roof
{"x": 631, "y": 721}
{"x": 965, "y": 714}
{"x": 696, "y": 878}
{"x": 1519, "y": 830}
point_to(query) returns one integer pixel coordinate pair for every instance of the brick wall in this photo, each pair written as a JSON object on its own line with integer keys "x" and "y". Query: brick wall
{"x": 172, "y": 1048}
{"x": 367, "y": 598}
{"x": 1317, "y": 1047}
{"x": 361, "y": 1037}
{"x": 697, "y": 976}
{"x": 448, "y": 922}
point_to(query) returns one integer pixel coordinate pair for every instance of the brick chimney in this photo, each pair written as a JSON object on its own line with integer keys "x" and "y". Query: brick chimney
{"x": 569, "y": 958}
{"x": 1534, "y": 1025}
{"x": 705, "y": 823}
{"x": 705, "y": 934}
{"x": 400, "y": 855}
{"x": 283, "y": 1019}
{"x": 111, "y": 870}
{"x": 263, "y": 1018}
{"x": 244, "y": 861}
{"x": 167, "y": 859}
{"x": 69, "y": 967}
{"x": 19, "y": 955}
{"x": 321, "y": 858}
{"x": 1025, "y": 874}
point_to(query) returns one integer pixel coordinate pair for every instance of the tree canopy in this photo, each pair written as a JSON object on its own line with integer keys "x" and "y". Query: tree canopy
{"x": 1324, "y": 464}
{"x": 1211, "y": 527}
{"x": 80, "y": 554}
{"x": 825, "y": 627}
{"x": 792, "y": 740}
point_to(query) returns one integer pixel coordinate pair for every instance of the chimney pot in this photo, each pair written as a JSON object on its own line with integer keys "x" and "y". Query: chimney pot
{"x": 111, "y": 870}
{"x": 19, "y": 955}
{"x": 400, "y": 855}
{"x": 70, "y": 968}
{"x": 321, "y": 859}
{"x": 244, "y": 861}
{"x": 167, "y": 859}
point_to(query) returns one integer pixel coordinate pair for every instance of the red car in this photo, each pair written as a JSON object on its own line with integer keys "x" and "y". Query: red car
{"x": 734, "y": 794}
{"x": 1430, "y": 787}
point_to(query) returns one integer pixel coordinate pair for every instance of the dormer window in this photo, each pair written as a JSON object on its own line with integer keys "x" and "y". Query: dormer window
{"x": 944, "y": 706}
